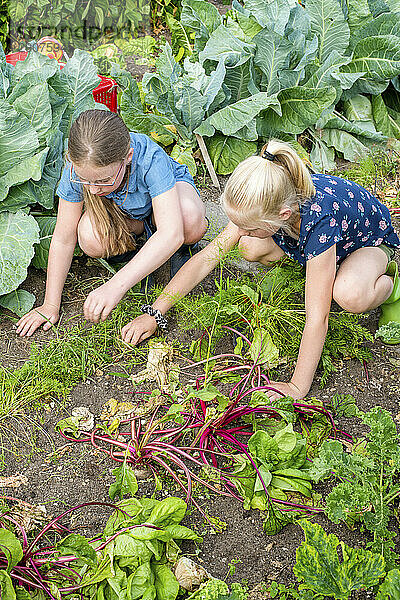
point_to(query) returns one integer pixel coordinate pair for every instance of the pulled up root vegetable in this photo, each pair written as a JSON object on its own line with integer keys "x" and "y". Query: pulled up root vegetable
{"x": 206, "y": 439}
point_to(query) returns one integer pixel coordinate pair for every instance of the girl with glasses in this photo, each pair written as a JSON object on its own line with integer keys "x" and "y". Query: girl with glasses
{"x": 339, "y": 231}
{"x": 115, "y": 186}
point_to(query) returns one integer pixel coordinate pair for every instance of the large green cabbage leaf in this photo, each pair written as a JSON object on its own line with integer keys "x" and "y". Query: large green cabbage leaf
{"x": 19, "y": 302}
{"x": 18, "y": 233}
{"x": 329, "y": 24}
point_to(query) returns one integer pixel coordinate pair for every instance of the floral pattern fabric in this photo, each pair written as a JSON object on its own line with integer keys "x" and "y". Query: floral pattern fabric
{"x": 342, "y": 213}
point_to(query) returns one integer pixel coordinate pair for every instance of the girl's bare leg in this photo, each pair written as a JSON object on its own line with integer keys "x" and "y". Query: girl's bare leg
{"x": 361, "y": 283}
{"x": 89, "y": 239}
{"x": 193, "y": 212}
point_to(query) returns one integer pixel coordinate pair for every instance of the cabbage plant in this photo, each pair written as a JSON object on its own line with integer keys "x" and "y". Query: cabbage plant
{"x": 325, "y": 72}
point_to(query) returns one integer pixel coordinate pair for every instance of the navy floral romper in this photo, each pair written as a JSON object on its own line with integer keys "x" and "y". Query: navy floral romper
{"x": 342, "y": 213}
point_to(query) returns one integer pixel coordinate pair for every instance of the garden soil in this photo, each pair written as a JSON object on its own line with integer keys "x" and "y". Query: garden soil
{"x": 60, "y": 474}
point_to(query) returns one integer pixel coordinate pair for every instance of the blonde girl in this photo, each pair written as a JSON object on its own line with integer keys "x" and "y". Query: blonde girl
{"x": 117, "y": 185}
{"x": 340, "y": 232}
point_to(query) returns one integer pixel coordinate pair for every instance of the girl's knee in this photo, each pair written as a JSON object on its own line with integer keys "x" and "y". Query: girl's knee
{"x": 193, "y": 212}
{"x": 195, "y": 224}
{"x": 350, "y": 297}
{"x": 87, "y": 239}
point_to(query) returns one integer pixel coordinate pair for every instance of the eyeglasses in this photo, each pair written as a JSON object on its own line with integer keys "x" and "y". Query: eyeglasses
{"x": 81, "y": 182}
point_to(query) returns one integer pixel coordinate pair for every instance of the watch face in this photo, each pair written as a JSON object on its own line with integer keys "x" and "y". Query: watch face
{"x": 51, "y": 48}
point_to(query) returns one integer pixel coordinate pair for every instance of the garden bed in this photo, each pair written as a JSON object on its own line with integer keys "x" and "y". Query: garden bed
{"x": 61, "y": 474}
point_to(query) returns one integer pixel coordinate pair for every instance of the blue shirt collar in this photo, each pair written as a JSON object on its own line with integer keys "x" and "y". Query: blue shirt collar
{"x": 132, "y": 185}
{"x": 120, "y": 196}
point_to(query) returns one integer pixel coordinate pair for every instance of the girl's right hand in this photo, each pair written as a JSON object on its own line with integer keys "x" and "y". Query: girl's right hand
{"x": 139, "y": 329}
{"x": 47, "y": 314}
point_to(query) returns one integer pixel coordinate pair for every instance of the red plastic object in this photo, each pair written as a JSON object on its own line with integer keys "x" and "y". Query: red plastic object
{"x": 13, "y": 57}
{"x": 105, "y": 92}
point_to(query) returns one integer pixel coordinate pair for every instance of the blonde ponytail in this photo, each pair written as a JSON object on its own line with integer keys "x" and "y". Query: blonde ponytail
{"x": 260, "y": 188}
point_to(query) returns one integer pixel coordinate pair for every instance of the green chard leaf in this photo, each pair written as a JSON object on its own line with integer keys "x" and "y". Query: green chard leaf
{"x": 169, "y": 511}
{"x": 11, "y": 548}
{"x": 6, "y": 586}
{"x": 126, "y": 482}
{"x": 78, "y": 546}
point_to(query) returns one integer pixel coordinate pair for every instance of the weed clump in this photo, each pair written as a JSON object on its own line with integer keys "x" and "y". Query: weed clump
{"x": 54, "y": 368}
{"x": 272, "y": 302}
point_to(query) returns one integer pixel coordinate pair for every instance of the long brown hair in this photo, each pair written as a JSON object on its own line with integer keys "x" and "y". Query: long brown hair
{"x": 101, "y": 138}
{"x": 259, "y": 189}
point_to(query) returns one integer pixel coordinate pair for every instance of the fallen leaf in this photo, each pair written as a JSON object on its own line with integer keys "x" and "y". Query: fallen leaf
{"x": 189, "y": 574}
{"x": 86, "y": 418}
{"x": 14, "y": 481}
{"x": 159, "y": 367}
{"x": 29, "y": 516}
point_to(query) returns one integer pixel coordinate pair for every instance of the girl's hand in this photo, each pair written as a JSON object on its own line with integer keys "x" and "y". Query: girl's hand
{"x": 287, "y": 389}
{"x": 139, "y": 329}
{"x": 47, "y": 314}
{"x": 101, "y": 301}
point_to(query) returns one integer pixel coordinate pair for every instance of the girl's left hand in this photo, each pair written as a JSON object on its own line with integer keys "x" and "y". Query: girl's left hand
{"x": 101, "y": 301}
{"x": 287, "y": 389}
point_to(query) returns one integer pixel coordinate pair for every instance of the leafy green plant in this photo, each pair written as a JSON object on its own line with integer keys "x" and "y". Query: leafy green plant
{"x": 375, "y": 171}
{"x": 276, "y": 468}
{"x": 389, "y": 332}
{"x": 270, "y": 306}
{"x": 161, "y": 10}
{"x": 181, "y": 40}
{"x": 215, "y": 589}
{"x": 76, "y": 24}
{"x": 125, "y": 482}
{"x": 181, "y": 97}
{"x": 3, "y": 23}
{"x": 368, "y": 479}
{"x": 54, "y": 368}
{"x": 281, "y": 592}
{"x": 390, "y": 588}
{"x": 319, "y": 569}
{"x": 322, "y": 574}
{"x": 140, "y": 50}
{"x": 200, "y": 429}
{"x": 133, "y": 557}
{"x": 325, "y": 75}
{"x": 38, "y": 102}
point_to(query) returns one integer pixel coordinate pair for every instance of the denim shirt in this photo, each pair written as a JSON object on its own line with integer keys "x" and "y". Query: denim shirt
{"x": 152, "y": 172}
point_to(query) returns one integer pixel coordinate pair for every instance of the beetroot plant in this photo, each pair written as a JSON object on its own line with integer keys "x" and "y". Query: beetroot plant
{"x": 212, "y": 439}
{"x": 133, "y": 558}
